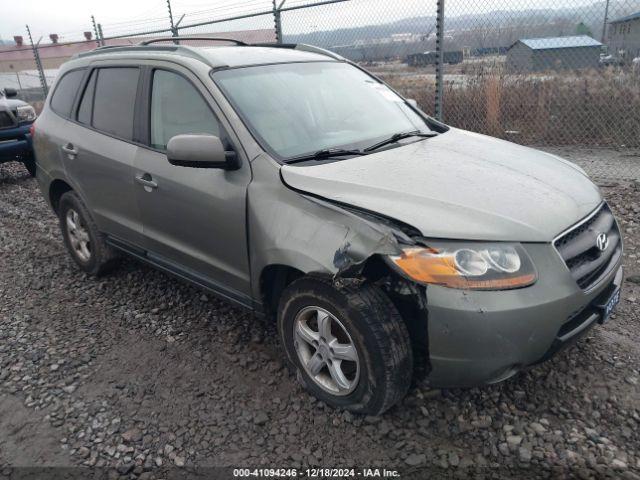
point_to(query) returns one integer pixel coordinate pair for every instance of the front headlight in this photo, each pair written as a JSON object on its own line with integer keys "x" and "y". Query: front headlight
{"x": 25, "y": 113}
{"x": 469, "y": 265}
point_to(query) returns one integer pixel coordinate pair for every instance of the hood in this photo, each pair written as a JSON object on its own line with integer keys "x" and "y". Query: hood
{"x": 10, "y": 103}
{"x": 459, "y": 185}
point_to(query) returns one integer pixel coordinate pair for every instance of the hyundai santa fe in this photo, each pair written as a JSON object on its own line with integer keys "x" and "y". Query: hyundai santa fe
{"x": 386, "y": 245}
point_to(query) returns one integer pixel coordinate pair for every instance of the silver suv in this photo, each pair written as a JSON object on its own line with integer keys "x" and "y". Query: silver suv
{"x": 292, "y": 182}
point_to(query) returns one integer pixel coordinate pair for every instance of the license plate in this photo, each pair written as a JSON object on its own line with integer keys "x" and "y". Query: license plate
{"x": 609, "y": 306}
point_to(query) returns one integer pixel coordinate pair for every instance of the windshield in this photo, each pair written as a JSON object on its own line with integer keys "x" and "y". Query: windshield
{"x": 298, "y": 108}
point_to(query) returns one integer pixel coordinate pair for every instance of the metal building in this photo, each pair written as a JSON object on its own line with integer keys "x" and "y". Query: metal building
{"x": 624, "y": 37}
{"x": 556, "y": 53}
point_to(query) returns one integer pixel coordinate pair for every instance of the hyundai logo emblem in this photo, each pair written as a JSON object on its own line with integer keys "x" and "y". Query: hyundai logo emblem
{"x": 602, "y": 242}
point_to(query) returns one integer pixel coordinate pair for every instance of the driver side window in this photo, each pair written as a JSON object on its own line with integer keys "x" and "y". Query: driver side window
{"x": 177, "y": 108}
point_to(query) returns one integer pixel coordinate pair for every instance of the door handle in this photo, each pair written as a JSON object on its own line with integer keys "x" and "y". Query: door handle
{"x": 146, "y": 181}
{"x": 70, "y": 150}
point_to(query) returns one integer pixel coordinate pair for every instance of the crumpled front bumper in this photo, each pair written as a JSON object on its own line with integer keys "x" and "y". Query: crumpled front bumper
{"x": 482, "y": 337}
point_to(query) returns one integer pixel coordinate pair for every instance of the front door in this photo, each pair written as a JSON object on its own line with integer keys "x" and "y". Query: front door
{"x": 193, "y": 219}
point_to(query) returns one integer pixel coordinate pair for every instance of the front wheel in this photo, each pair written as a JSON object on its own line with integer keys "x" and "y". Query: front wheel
{"x": 349, "y": 346}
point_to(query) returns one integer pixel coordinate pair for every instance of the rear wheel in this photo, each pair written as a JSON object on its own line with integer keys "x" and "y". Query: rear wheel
{"x": 82, "y": 238}
{"x": 348, "y": 346}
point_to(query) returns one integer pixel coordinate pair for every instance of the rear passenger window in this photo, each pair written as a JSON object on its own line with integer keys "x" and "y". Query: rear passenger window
{"x": 177, "y": 108}
{"x": 86, "y": 104}
{"x": 115, "y": 98}
{"x": 65, "y": 92}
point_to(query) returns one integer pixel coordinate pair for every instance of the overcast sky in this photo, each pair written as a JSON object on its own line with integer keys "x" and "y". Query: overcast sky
{"x": 69, "y": 18}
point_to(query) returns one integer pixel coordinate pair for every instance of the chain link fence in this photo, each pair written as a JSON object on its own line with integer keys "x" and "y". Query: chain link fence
{"x": 551, "y": 73}
{"x": 547, "y": 76}
{"x": 378, "y": 37}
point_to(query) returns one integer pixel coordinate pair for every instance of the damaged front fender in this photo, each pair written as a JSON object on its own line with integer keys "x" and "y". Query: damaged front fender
{"x": 287, "y": 227}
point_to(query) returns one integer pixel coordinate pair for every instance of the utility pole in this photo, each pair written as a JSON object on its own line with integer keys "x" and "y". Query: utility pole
{"x": 439, "y": 59}
{"x": 604, "y": 23}
{"x": 95, "y": 30}
{"x": 36, "y": 57}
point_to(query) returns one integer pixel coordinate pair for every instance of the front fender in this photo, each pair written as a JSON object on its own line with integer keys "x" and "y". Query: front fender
{"x": 310, "y": 234}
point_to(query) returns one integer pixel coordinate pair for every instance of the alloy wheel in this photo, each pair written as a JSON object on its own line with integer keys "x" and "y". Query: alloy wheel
{"x": 326, "y": 350}
{"x": 78, "y": 235}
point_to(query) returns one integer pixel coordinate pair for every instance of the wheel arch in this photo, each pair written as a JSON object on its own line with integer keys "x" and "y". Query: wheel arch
{"x": 57, "y": 188}
{"x": 274, "y": 278}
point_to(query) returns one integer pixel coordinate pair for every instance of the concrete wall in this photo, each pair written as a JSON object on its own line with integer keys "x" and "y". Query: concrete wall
{"x": 17, "y": 65}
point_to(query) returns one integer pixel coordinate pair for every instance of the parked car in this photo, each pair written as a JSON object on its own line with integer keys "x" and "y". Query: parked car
{"x": 608, "y": 59}
{"x": 16, "y": 118}
{"x": 293, "y": 183}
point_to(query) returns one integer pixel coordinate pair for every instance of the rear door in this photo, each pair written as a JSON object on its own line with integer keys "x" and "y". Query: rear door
{"x": 193, "y": 219}
{"x": 53, "y": 124}
{"x": 100, "y": 150}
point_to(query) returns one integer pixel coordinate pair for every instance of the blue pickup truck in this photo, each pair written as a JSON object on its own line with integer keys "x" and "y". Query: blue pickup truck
{"x": 16, "y": 120}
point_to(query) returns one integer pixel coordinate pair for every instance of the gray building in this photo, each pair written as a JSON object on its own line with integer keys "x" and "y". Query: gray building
{"x": 624, "y": 37}
{"x": 556, "y": 53}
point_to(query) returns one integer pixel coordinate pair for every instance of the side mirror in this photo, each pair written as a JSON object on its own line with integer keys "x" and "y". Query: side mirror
{"x": 200, "y": 151}
{"x": 412, "y": 102}
{"x": 10, "y": 92}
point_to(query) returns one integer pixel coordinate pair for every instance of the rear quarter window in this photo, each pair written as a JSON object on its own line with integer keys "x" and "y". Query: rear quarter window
{"x": 86, "y": 104}
{"x": 65, "y": 92}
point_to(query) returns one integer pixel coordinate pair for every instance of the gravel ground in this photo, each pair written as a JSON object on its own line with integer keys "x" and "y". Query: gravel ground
{"x": 603, "y": 163}
{"x": 140, "y": 374}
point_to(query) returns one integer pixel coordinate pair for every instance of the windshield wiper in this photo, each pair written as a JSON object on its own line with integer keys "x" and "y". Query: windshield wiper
{"x": 399, "y": 136}
{"x": 325, "y": 153}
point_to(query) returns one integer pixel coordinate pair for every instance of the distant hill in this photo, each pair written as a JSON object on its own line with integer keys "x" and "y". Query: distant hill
{"x": 496, "y": 28}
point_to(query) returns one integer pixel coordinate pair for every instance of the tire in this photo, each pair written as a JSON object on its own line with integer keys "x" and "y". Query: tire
{"x": 382, "y": 372}
{"x": 96, "y": 258}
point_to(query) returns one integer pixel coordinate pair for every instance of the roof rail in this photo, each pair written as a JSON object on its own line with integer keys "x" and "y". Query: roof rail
{"x": 322, "y": 51}
{"x": 300, "y": 46}
{"x": 191, "y": 52}
{"x": 173, "y": 39}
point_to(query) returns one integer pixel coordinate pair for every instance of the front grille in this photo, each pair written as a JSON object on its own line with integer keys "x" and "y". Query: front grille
{"x": 578, "y": 248}
{"x": 5, "y": 120}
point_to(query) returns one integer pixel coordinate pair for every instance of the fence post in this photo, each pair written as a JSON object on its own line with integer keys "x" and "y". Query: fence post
{"x": 101, "y": 35}
{"x": 172, "y": 26}
{"x": 439, "y": 59}
{"x": 36, "y": 57}
{"x": 277, "y": 20}
{"x": 95, "y": 30}
{"x": 18, "y": 79}
{"x": 604, "y": 23}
